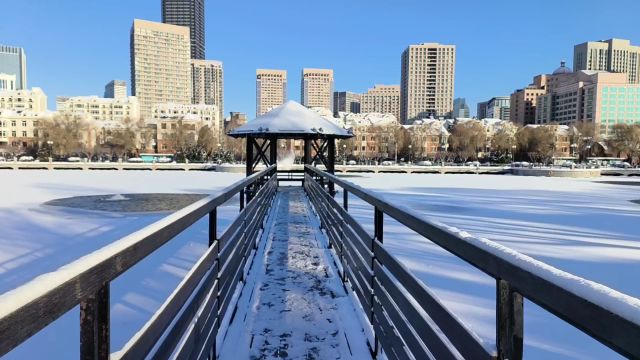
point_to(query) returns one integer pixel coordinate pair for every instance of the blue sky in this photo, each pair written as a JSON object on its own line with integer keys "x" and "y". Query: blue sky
{"x": 75, "y": 47}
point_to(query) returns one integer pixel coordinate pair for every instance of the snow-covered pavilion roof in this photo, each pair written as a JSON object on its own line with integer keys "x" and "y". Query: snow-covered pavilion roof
{"x": 290, "y": 120}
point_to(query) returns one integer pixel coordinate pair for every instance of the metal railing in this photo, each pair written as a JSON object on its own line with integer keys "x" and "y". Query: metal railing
{"x": 409, "y": 321}
{"x": 202, "y": 298}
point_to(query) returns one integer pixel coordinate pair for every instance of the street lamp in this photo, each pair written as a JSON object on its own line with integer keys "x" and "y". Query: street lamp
{"x": 410, "y": 151}
{"x": 573, "y": 149}
{"x": 344, "y": 154}
{"x": 50, "y": 143}
{"x": 513, "y": 152}
{"x": 219, "y": 153}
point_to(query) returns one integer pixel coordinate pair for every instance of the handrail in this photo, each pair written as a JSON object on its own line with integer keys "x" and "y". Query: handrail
{"x": 606, "y": 315}
{"x": 29, "y": 308}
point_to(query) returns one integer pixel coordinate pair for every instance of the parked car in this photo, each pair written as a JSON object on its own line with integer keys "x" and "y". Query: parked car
{"x": 386, "y": 163}
{"x": 2, "y": 159}
{"x": 472, "y": 163}
{"x": 518, "y": 164}
{"x": 134, "y": 160}
{"x": 25, "y": 158}
{"x": 424, "y": 163}
{"x": 164, "y": 160}
{"x": 622, "y": 165}
{"x": 568, "y": 164}
{"x": 352, "y": 162}
{"x": 74, "y": 159}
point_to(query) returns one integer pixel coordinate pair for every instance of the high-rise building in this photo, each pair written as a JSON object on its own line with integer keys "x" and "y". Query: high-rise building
{"x": 587, "y": 96}
{"x": 383, "y": 99}
{"x": 346, "y": 101}
{"x": 188, "y": 13}
{"x": 7, "y": 82}
{"x": 499, "y": 107}
{"x": 160, "y": 64}
{"x": 13, "y": 61}
{"x": 271, "y": 89}
{"x": 481, "y": 112}
{"x": 460, "y": 108}
{"x": 523, "y": 101}
{"x": 116, "y": 89}
{"x": 614, "y": 55}
{"x": 208, "y": 83}
{"x": 317, "y": 88}
{"x": 427, "y": 79}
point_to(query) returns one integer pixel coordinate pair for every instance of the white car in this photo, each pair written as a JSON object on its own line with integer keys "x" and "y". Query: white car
{"x": 164, "y": 160}
{"x": 386, "y": 163}
{"x": 134, "y": 160}
{"x": 25, "y": 158}
{"x": 568, "y": 164}
{"x": 74, "y": 159}
{"x": 352, "y": 162}
{"x": 424, "y": 163}
{"x": 2, "y": 159}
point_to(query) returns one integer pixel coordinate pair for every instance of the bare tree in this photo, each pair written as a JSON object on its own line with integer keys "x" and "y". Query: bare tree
{"x": 467, "y": 138}
{"x": 625, "y": 139}
{"x": 65, "y": 132}
{"x": 537, "y": 142}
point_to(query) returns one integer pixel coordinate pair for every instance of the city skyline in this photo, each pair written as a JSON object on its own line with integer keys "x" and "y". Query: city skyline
{"x": 481, "y": 70}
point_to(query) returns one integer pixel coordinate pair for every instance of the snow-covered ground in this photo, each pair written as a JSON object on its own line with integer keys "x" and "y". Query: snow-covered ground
{"x": 579, "y": 226}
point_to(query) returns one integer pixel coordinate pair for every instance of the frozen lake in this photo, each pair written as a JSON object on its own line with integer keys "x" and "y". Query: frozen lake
{"x": 584, "y": 227}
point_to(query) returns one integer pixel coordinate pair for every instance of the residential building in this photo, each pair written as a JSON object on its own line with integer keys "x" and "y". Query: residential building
{"x": 460, "y": 108}
{"x": 189, "y": 13}
{"x": 190, "y": 118}
{"x": 116, "y": 89}
{"x": 101, "y": 109}
{"x": 271, "y": 89}
{"x": 523, "y": 101}
{"x": 7, "y": 82}
{"x": 346, "y": 101}
{"x": 235, "y": 120}
{"x": 13, "y": 61}
{"x": 208, "y": 84}
{"x": 160, "y": 64}
{"x": 613, "y": 55}
{"x": 499, "y": 107}
{"x": 383, "y": 99}
{"x": 317, "y": 88}
{"x": 18, "y": 130}
{"x": 427, "y": 138}
{"x": 34, "y": 100}
{"x": 599, "y": 97}
{"x": 427, "y": 81}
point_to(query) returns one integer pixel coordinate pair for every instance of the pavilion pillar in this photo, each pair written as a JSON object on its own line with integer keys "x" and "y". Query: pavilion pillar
{"x": 331, "y": 162}
{"x": 273, "y": 150}
{"x": 250, "y": 159}
{"x": 307, "y": 151}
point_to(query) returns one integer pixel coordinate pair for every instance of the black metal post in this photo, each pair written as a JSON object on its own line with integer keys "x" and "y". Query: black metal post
{"x": 345, "y": 199}
{"x": 95, "y": 326}
{"x": 273, "y": 151}
{"x": 242, "y": 199}
{"x": 249, "y": 148}
{"x": 213, "y": 226}
{"x": 307, "y": 151}
{"x": 331, "y": 162}
{"x": 509, "y": 322}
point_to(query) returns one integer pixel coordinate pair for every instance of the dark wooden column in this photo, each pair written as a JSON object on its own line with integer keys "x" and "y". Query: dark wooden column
{"x": 331, "y": 162}
{"x": 273, "y": 150}
{"x": 250, "y": 142}
{"x": 307, "y": 151}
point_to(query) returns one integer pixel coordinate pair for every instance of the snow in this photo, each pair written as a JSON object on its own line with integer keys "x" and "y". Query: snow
{"x": 297, "y": 307}
{"x": 578, "y": 226}
{"x": 290, "y": 118}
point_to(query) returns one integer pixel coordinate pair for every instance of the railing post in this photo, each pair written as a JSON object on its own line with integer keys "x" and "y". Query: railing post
{"x": 378, "y": 231}
{"x": 345, "y": 199}
{"x": 509, "y": 321}
{"x": 213, "y": 226}
{"x": 378, "y": 218}
{"x": 242, "y": 199}
{"x": 95, "y": 325}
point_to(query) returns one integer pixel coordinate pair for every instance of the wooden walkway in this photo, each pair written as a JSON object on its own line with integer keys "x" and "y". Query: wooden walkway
{"x": 296, "y": 308}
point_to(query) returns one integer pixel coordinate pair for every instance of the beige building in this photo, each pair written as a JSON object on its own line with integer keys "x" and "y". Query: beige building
{"x": 614, "y": 55}
{"x": 208, "y": 83}
{"x": 599, "y": 97}
{"x": 523, "y": 101}
{"x": 427, "y": 81}
{"x": 18, "y": 130}
{"x": 160, "y": 64}
{"x": 101, "y": 109}
{"x": 383, "y": 99}
{"x": 192, "y": 118}
{"x": 34, "y": 100}
{"x": 317, "y": 88}
{"x": 271, "y": 89}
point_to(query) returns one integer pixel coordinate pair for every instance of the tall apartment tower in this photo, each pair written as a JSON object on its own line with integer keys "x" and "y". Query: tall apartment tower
{"x": 187, "y": 13}
{"x": 115, "y": 89}
{"x": 13, "y": 61}
{"x": 271, "y": 89}
{"x": 427, "y": 78}
{"x": 160, "y": 64}
{"x": 346, "y": 101}
{"x": 614, "y": 55}
{"x": 317, "y": 88}
{"x": 383, "y": 99}
{"x": 208, "y": 83}
{"x": 460, "y": 108}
